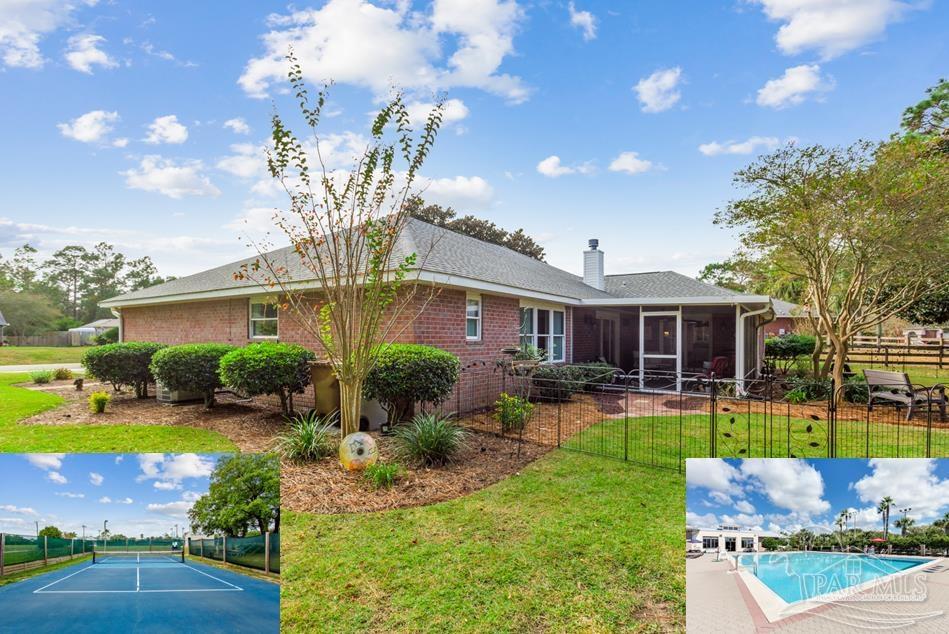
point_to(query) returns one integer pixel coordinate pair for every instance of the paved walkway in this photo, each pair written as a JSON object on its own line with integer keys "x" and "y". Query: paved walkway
{"x": 714, "y": 603}
{"x": 75, "y": 367}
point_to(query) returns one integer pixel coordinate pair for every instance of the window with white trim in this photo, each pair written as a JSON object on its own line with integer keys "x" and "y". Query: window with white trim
{"x": 263, "y": 320}
{"x": 473, "y": 318}
{"x": 544, "y": 329}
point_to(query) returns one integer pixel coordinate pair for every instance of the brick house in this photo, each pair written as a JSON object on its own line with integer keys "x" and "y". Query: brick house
{"x": 788, "y": 318}
{"x": 490, "y": 297}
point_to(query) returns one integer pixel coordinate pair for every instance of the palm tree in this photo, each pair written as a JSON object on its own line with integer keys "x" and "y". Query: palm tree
{"x": 884, "y": 507}
{"x": 903, "y": 523}
{"x": 840, "y": 522}
{"x": 945, "y": 523}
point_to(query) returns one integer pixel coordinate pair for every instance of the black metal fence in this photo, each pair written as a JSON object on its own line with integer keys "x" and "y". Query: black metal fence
{"x": 661, "y": 419}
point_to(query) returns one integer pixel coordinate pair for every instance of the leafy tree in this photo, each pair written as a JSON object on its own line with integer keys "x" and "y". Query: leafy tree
{"x": 69, "y": 535}
{"x": 884, "y": 509}
{"x": 931, "y": 309}
{"x": 903, "y": 524}
{"x": 854, "y": 224}
{"x": 244, "y": 494}
{"x": 51, "y": 531}
{"x": 344, "y": 229}
{"x": 930, "y": 117}
{"x": 65, "y": 323}
{"x": 475, "y": 227}
{"x": 66, "y": 271}
{"x": 28, "y": 312}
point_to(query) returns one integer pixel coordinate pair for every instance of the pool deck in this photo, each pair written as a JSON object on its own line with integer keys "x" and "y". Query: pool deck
{"x": 719, "y": 601}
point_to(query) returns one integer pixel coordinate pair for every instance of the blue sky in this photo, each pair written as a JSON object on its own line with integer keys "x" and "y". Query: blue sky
{"x": 137, "y": 493}
{"x": 785, "y": 495}
{"x": 143, "y": 123}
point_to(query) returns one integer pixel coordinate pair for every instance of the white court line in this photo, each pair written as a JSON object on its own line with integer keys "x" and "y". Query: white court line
{"x": 213, "y": 577}
{"x": 235, "y": 589}
{"x": 138, "y": 582}
{"x": 63, "y": 579}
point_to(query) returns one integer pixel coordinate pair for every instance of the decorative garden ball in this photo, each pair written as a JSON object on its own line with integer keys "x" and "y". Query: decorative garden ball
{"x": 358, "y": 451}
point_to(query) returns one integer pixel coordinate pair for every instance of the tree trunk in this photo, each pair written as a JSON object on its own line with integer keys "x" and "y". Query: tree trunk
{"x": 209, "y": 400}
{"x": 350, "y": 406}
{"x": 283, "y": 402}
{"x": 276, "y": 521}
{"x": 840, "y": 359}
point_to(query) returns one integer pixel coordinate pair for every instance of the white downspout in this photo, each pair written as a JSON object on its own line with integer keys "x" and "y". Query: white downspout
{"x": 740, "y": 352}
{"x": 118, "y": 313}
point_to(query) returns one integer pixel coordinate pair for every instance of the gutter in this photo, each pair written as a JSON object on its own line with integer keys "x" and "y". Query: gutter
{"x": 740, "y": 351}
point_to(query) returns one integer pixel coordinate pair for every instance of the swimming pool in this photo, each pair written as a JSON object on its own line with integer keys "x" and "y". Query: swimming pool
{"x": 799, "y": 576}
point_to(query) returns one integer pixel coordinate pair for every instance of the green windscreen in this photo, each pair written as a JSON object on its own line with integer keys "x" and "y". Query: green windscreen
{"x": 250, "y": 552}
{"x": 18, "y": 549}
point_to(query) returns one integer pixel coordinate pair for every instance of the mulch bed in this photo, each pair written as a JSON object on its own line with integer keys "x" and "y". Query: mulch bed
{"x": 323, "y": 487}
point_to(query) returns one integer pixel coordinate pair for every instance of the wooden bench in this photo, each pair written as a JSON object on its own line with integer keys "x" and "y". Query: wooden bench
{"x": 895, "y": 388}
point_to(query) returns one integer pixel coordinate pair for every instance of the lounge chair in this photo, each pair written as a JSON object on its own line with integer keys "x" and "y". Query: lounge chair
{"x": 895, "y": 388}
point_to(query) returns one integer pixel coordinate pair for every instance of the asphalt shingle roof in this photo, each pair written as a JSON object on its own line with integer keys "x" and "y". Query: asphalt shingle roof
{"x": 445, "y": 252}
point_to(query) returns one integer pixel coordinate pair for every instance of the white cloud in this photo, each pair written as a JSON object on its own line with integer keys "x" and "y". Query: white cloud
{"x": 237, "y": 125}
{"x": 720, "y": 497}
{"x": 24, "y": 24}
{"x": 22, "y": 510}
{"x": 359, "y": 42}
{"x": 630, "y": 163}
{"x": 166, "y": 486}
{"x": 459, "y": 192}
{"x": 694, "y": 520}
{"x": 744, "y": 520}
{"x": 831, "y": 27}
{"x": 584, "y": 21}
{"x": 125, "y": 501}
{"x": 165, "y": 176}
{"x": 712, "y": 473}
{"x": 56, "y": 477}
{"x": 174, "y": 467}
{"x": 793, "y": 87}
{"x": 789, "y": 484}
{"x": 748, "y": 146}
{"x": 96, "y": 479}
{"x": 46, "y": 461}
{"x": 120, "y": 143}
{"x": 166, "y": 130}
{"x": 92, "y": 127}
{"x": 659, "y": 91}
{"x": 66, "y": 494}
{"x": 453, "y": 111}
{"x": 119, "y": 459}
{"x": 910, "y": 482}
{"x": 744, "y": 506}
{"x": 105, "y": 500}
{"x": 84, "y": 53}
{"x": 247, "y": 161}
{"x": 551, "y": 167}
{"x": 177, "y": 509}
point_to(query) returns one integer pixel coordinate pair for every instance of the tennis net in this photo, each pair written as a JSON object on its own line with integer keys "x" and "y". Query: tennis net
{"x": 135, "y": 557}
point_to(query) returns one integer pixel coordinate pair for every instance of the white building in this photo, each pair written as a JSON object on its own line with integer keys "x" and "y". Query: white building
{"x": 725, "y": 539}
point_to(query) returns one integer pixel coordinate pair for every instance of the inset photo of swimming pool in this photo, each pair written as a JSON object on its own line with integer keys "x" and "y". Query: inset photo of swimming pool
{"x": 151, "y": 542}
{"x": 817, "y": 545}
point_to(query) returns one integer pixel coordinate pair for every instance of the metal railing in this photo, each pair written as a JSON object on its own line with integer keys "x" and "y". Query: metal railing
{"x": 663, "y": 418}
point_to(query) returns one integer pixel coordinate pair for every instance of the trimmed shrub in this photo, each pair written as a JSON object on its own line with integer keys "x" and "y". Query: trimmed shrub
{"x": 123, "y": 364}
{"x": 192, "y": 367}
{"x": 280, "y": 369}
{"x": 382, "y": 475}
{"x": 807, "y": 389}
{"x": 41, "y": 377}
{"x": 62, "y": 374}
{"x": 594, "y": 374}
{"x": 555, "y": 382}
{"x": 98, "y": 401}
{"x": 512, "y": 412}
{"x": 784, "y": 351}
{"x": 310, "y": 437}
{"x": 109, "y": 336}
{"x": 405, "y": 374}
{"x": 429, "y": 440}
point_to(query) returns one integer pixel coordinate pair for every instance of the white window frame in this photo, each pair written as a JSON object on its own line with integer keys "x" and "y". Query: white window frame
{"x": 251, "y": 319}
{"x": 535, "y": 337}
{"x": 474, "y": 297}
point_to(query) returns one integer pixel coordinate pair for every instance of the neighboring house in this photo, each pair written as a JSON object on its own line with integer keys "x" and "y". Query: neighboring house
{"x": 490, "y": 297}
{"x": 788, "y": 318}
{"x": 3, "y": 324}
{"x": 933, "y": 334}
{"x": 724, "y": 539}
{"x": 97, "y": 327}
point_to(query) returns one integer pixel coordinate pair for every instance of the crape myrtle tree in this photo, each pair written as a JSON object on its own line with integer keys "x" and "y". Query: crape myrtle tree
{"x": 344, "y": 230}
{"x": 244, "y": 495}
{"x": 859, "y": 225}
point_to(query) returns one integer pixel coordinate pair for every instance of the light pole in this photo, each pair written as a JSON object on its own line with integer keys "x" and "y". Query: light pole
{"x": 83, "y": 533}
{"x": 37, "y": 522}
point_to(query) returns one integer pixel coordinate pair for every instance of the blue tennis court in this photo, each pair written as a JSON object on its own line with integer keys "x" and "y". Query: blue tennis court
{"x": 140, "y": 592}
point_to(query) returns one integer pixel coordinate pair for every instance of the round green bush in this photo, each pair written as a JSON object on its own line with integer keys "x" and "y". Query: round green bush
{"x": 405, "y": 374}
{"x": 556, "y": 382}
{"x": 123, "y": 364}
{"x": 192, "y": 367}
{"x": 109, "y": 336}
{"x": 281, "y": 369}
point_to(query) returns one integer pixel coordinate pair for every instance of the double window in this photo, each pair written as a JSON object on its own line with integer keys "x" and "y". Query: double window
{"x": 263, "y": 319}
{"x": 473, "y": 318}
{"x": 544, "y": 329}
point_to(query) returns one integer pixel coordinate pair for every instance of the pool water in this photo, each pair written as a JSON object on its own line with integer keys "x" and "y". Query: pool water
{"x": 799, "y": 576}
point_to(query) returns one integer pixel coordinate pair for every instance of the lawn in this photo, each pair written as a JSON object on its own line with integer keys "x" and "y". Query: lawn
{"x": 32, "y": 572}
{"x": 17, "y": 403}
{"x": 23, "y": 355}
{"x": 662, "y": 440}
{"x": 573, "y": 544}
{"x": 918, "y": 374}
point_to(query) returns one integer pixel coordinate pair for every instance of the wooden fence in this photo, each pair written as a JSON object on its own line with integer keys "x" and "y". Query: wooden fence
{"x": 53, "y": 339}
{"x": 881, "y": 353}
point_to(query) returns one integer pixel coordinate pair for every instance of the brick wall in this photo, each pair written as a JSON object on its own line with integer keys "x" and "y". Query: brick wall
{"x": 217, "y": 321}
{"x": 773, "y": 329}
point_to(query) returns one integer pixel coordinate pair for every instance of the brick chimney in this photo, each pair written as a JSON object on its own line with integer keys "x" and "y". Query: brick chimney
{"x": 593, "y": 266}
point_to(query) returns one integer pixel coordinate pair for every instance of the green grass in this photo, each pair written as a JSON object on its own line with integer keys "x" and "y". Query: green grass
{"x": 657, "y": 440}
{"x": 23, "y": 355}
{"x": 17, "y": 403}
{"x": 32, "y": 572}
{"x": 573, "y": 543}
{"x": 918, "y": 375}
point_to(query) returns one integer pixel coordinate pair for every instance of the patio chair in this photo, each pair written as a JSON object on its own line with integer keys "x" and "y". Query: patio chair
{"x": 895, "y": 388}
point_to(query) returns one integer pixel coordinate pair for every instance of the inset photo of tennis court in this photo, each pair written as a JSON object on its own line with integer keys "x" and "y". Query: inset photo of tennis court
{"x": 139, "y": 543}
